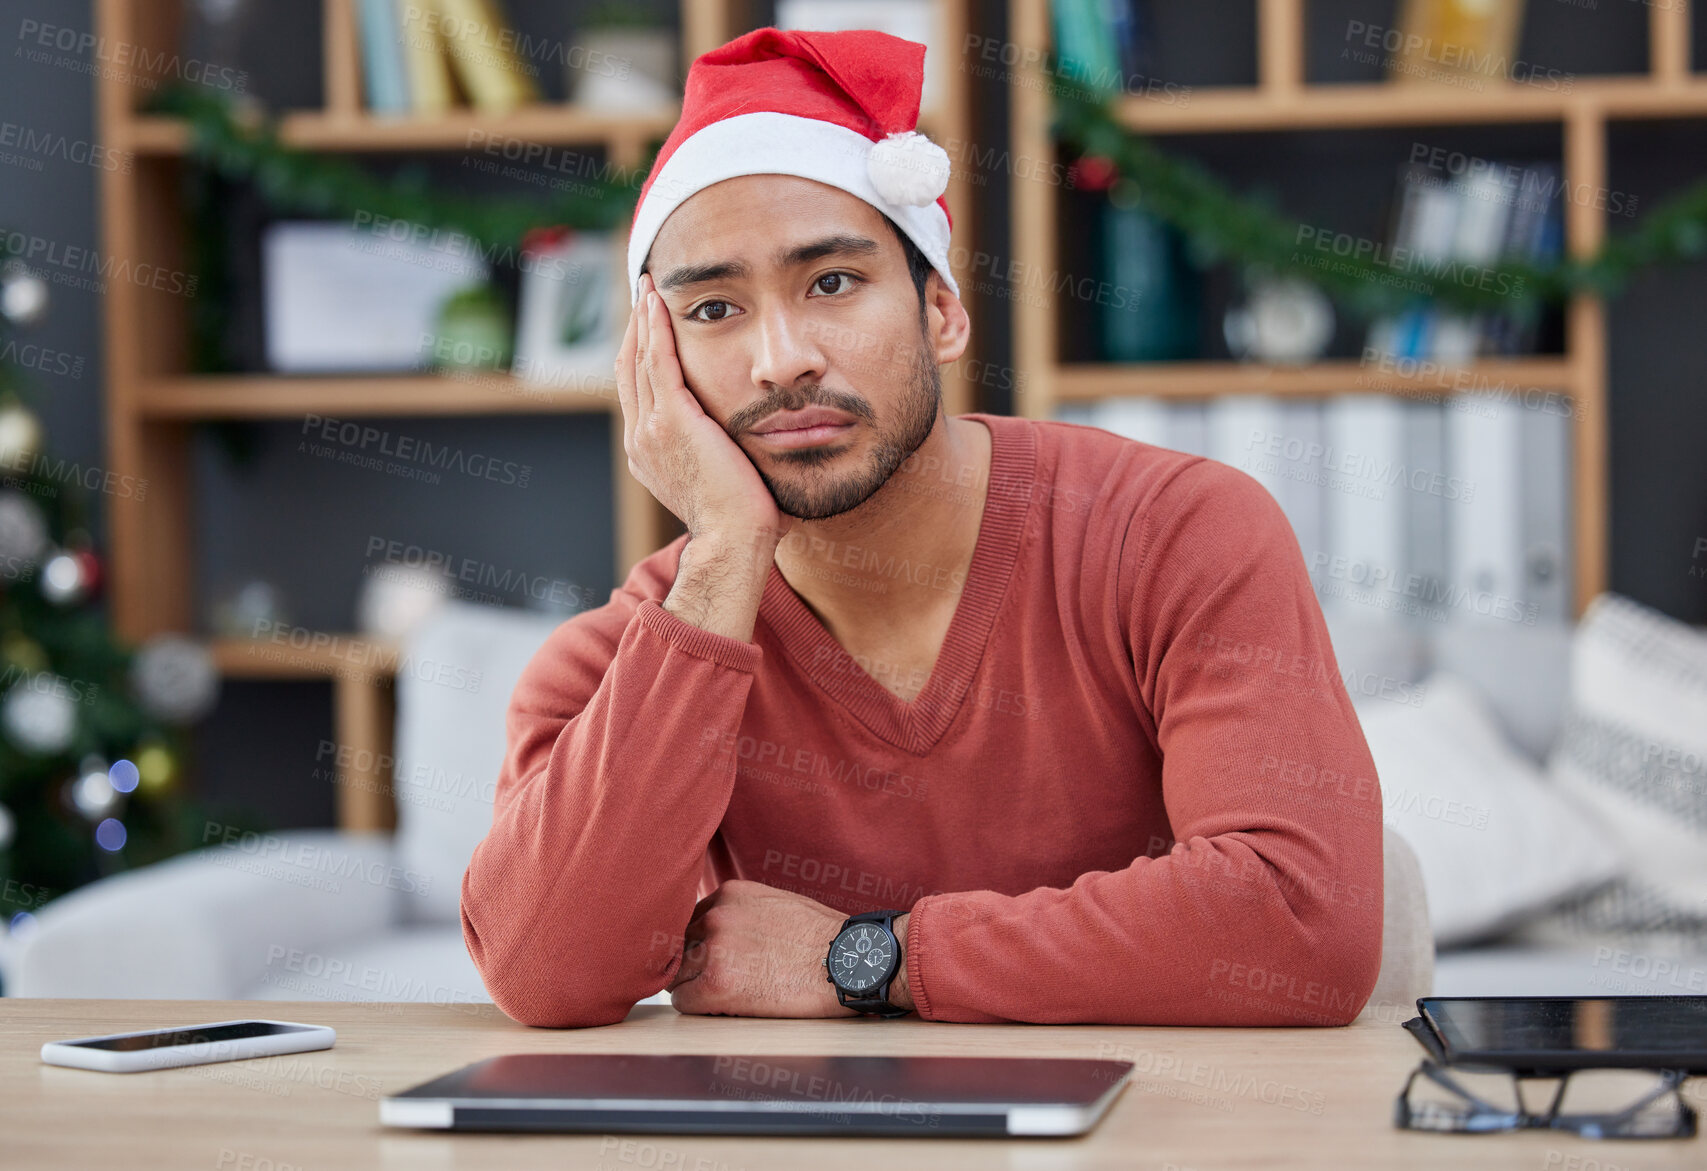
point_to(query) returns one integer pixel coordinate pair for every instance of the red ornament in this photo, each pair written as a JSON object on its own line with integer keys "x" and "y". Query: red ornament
{"x": 545, "y": 239}
{"x": 1094, "y": 173}
{"x": 90, "y": 566}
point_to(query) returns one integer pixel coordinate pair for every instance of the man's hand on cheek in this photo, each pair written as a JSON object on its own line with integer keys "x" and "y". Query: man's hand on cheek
{"x": 754, "y": 950}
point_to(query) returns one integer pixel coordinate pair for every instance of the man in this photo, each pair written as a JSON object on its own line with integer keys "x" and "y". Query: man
{"x": 1061, "y": 705}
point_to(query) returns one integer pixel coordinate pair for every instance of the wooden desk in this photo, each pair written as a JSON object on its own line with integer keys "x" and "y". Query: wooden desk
{"x": 1200, "y": 1098}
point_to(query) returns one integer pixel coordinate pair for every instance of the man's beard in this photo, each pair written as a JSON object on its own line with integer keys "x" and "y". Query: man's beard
{"x": 915, "y": 417}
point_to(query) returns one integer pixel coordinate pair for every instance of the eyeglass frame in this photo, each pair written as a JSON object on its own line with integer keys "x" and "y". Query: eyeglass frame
{"x": 1497, "y": 1121}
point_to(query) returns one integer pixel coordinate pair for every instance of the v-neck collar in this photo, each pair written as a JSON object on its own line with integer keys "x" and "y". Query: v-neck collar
{"x": 917, "y": 725}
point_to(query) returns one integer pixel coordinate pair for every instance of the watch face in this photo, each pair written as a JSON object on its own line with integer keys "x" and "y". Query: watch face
{"x": 862, "y": 957}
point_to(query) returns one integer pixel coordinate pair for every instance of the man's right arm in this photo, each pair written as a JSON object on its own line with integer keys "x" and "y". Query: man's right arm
{"x": 618, "y": 770}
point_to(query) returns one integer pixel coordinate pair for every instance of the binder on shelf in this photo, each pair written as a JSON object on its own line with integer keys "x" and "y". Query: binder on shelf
{"x": 491, "y": 72}
{"x": 430, "y": 88}
{"x": 1365, "y": 499}
{"x": 1485, "y": 534}
{"x": 384, "y": 77}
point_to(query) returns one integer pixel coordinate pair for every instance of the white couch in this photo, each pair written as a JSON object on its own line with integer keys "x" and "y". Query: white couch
{"x": 1523, "y": 673}
{"x": 317, "y": 914}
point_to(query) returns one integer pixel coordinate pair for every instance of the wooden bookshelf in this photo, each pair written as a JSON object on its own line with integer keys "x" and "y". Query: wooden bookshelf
{"x": 153, "y": 401}
{"x": 1283, "y": 100}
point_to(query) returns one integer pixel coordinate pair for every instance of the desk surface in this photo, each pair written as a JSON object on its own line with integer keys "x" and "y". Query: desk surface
{"x": 1199, "y": 1099}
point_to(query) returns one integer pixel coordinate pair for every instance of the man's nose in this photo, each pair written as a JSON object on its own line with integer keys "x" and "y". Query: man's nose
{"x": 787, "y": 353}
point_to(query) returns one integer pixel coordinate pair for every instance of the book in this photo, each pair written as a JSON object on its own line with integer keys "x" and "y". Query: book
{"x": 1086, "y": 43}
{"x": 483, "y": 52}
{"x": 1463, "y": 43}
{"x": 431, "y": 90}
{"x": 384, "y": 78}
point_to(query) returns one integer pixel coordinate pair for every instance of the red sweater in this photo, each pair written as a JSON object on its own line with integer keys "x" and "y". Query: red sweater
{"x": 1133, "y": 790}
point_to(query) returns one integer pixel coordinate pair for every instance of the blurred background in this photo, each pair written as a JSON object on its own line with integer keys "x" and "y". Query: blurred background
{"x": 307, "y": 315}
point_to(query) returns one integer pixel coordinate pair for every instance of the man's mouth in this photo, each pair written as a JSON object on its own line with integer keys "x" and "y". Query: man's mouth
{"x": 803, "y": 428}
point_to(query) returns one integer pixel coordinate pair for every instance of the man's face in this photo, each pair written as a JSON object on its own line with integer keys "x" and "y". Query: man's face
{"x": 786, "y": 294}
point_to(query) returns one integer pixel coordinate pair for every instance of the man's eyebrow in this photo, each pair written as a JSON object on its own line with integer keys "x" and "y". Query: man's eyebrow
{"x": 828, "y": 246}
{"x": 698, "y": 274}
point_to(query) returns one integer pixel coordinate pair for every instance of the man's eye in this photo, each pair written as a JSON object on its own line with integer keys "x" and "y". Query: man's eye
{"x": 721, "y": 307}
{"x": 834, "y": 276}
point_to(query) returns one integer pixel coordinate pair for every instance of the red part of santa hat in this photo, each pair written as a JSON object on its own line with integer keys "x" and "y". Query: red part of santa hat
{"x": 838, "y": 107}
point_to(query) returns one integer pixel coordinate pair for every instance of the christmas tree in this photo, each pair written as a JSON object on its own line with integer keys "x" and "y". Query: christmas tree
{"x": 91, "y": 731}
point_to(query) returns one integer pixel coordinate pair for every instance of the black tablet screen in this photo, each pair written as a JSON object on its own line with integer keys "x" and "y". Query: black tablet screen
{"x": 1617, "y": 1030}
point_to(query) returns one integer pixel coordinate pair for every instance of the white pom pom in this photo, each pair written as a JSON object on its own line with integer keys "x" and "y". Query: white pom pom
{"x": 908, "y": 168}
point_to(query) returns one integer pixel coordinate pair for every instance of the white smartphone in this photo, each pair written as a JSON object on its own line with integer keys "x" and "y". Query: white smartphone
{"x": 188, "y": 1045}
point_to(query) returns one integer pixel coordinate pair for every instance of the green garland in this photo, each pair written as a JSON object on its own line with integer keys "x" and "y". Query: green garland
{"x": 1222, "y": 225}
{"x": 249, "y": 149}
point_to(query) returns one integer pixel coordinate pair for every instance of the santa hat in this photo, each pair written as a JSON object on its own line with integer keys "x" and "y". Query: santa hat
{"x": 837, "y": 107}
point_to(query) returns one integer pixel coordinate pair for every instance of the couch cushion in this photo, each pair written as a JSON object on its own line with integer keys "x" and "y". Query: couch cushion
{"x": 418, "y": 964}
{"x": 1633, "y": 751}
{"x": 1507, "y": 970}
{"x": 427, "y": 964}
{"x": 1522, "y": 671}
{"x": 1495, "y": 843}
{"x": 453, "y": 688}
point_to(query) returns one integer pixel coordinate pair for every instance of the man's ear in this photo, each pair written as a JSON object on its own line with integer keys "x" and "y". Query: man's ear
{"x": 946, "y": 323}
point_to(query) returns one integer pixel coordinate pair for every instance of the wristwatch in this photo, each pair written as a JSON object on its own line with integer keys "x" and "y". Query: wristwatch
{"x": 864, "y": 957}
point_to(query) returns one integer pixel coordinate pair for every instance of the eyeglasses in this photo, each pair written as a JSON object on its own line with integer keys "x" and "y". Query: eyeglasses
{"x": 1601, "y": 1103}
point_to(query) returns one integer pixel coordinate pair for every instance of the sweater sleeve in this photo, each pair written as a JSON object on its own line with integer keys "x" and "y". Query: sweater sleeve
{"x": 615, "y": 778}
{"x": 1267, "y": 908}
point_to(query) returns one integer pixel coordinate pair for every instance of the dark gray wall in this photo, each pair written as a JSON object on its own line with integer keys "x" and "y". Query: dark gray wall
{"x": 305, "y": 522}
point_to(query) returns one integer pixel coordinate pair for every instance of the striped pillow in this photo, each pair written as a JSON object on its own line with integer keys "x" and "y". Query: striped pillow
{"x": 1633, "y": 752}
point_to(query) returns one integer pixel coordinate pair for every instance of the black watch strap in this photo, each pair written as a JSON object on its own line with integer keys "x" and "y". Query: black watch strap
{"x": 878, "y": 1003}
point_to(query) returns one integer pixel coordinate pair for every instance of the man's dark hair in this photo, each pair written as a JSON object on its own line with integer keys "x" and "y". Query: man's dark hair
{"x": 917, "y": 266}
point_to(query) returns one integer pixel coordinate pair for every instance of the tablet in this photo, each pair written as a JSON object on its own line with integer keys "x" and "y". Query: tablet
{"x": 705, "y": 1094}
{"x": 1560, "y": 1033}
